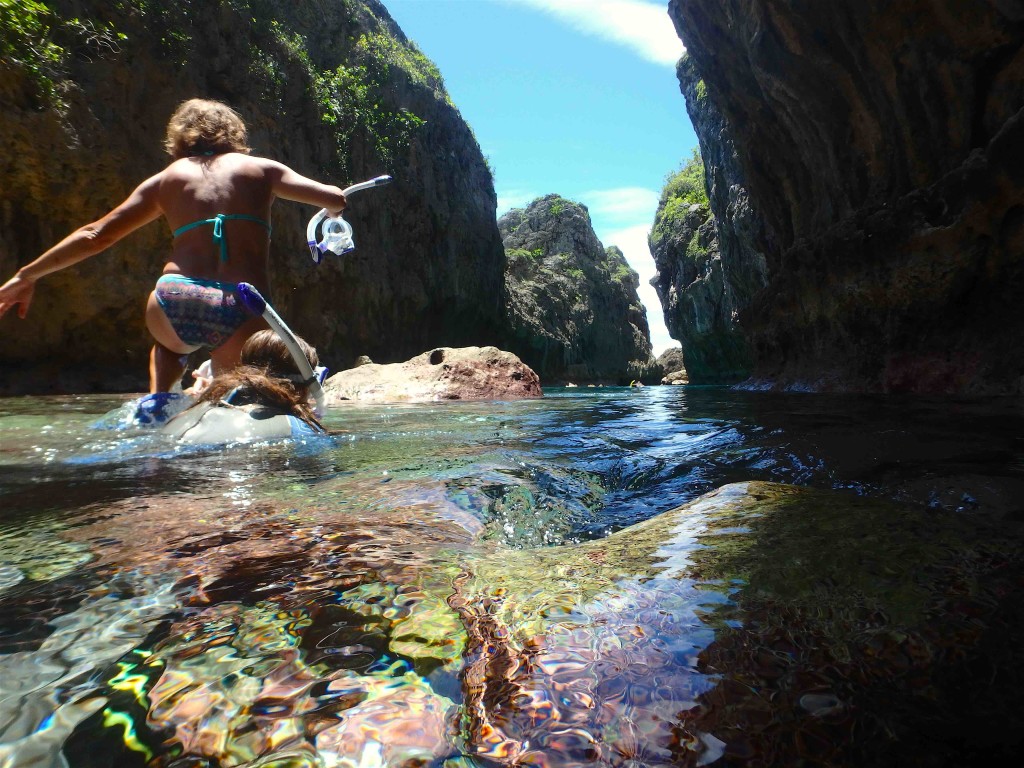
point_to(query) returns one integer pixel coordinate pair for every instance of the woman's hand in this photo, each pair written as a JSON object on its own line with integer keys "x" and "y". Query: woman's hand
{"x": 17, "y": 292}
{"x": 141, "y": 207}
{"x": 203, "y": 376}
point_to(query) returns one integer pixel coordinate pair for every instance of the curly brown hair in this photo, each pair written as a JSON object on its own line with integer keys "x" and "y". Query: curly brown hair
{"x": 203, "y": 126}
{"x": 269, "y": 374}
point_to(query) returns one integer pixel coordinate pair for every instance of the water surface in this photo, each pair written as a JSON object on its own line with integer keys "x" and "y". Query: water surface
{"x": 498, "y": 583}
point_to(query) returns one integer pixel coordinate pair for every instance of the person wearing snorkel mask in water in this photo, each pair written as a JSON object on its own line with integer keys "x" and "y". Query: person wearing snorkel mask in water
{"x": 264, "y": 397}
{"x": 216, "y": 198}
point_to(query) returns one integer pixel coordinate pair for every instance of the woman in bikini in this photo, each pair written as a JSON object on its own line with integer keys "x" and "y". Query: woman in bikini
{"x": 216, "y": 199}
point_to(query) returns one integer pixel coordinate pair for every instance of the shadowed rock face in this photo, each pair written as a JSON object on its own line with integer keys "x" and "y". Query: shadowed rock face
{"x": 880, "y": 146}
{"x": 333, "y": 89}
{"x": 708, "y": 250}
{"x": 572, "y": 303}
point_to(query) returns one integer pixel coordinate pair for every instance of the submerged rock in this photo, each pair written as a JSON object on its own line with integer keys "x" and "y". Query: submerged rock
{"x": 468, "y": 373}
{"x": 305, "y": 639}
{"x": 405, "y": 726}
{"x": 334, "y": 623}
{"x": 766, "y": 623}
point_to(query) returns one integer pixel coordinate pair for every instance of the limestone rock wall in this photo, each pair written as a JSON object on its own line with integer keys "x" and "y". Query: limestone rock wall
{"x": 331, "y": 87}
{"x": 708, "y": 267}
{"x": 573, "y": 304}
{"x": 881, "y": 148}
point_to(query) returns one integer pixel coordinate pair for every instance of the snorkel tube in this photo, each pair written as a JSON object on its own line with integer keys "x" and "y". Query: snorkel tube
{"x": 256, "y": 304}
{"x": 336, "y": 233}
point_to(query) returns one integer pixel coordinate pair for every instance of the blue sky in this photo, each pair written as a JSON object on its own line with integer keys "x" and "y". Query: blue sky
{"x": 576, "y": 97}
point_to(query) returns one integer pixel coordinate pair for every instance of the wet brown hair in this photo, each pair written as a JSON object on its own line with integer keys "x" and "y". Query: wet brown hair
{"x": 203, "y": 126}
{"x": 270, "y": 376}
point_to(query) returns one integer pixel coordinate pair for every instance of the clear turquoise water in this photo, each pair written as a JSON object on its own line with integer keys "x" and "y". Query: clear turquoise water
{"x": 410, "y": 591}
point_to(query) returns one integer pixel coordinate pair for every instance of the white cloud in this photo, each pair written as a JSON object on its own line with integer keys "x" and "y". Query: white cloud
{"x": 514, "y": 198}
{"x": 642, "y": 26}
{"x": 623, "y": 206}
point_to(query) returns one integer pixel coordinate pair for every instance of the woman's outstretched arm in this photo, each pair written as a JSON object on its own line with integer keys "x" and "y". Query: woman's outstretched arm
{"x": 141, "y": 207}
{"x": 291, "y": 185}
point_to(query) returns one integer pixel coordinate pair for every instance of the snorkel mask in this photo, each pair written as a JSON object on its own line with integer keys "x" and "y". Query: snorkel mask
{"x": 336, "y": 236}
{"x": 335, "y": 233}
{"x": 319, "y": 374}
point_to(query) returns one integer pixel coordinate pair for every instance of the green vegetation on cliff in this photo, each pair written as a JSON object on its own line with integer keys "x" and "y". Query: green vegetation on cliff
{"x": 683, "y": 189}
{"x": 37, "y": 41}
{"x": 619, "y": 268}
{"x": 348, "y": 96}
{"x": 25, "y": 39}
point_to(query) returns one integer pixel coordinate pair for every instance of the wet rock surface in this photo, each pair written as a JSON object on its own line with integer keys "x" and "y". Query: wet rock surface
{"x": 760, "y": 625}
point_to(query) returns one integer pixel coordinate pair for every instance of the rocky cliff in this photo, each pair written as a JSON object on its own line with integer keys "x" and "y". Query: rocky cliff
{"x": 881, "y": 149}
{"x": 573, "y": 303}
{"x": 708, "y": 268}
{"x": 334, "y": 89}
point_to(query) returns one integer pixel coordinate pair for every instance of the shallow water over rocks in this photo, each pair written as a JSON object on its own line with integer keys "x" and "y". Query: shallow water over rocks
{"x": 665, "y": 576}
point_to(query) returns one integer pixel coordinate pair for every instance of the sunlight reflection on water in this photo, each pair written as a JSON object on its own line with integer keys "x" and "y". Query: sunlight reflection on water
{"x": 444, "y": 583}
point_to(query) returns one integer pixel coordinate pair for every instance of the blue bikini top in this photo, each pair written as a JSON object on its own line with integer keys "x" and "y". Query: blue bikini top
{"x": 218, "y": 228}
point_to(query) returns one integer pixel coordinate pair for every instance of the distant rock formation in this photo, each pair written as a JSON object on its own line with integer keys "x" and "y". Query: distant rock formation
{"x": 672, "y": 366}
{"x": 471, "y": 373}
{"x": 334, "y": 90}
{"x": 671, "y": 360}
{"x": 572, "y": 303}
{"x": 708, "y": 267}
{"x": 879, "y": 158}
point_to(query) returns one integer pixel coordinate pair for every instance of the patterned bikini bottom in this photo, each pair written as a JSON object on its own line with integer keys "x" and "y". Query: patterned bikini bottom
{"x": 204, "y": 313}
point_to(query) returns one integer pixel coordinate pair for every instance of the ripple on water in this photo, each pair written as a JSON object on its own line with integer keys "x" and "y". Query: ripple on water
{"x": 439, "y": 585}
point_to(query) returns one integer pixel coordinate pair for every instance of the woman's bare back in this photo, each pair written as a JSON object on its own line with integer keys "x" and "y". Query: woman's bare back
{"x": 197, "y": 188}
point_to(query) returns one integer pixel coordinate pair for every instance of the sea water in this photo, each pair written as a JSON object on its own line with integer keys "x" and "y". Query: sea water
{"x": 603, "y": 576}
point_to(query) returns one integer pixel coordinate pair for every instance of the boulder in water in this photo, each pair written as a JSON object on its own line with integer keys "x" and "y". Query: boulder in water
{"x": 671, "y": 362}
{"x": 466, "y": 373}
{"x": 676, "y": 377}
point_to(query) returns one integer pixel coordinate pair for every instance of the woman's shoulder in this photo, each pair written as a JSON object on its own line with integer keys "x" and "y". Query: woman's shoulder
{"x": 201, "y": 163}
